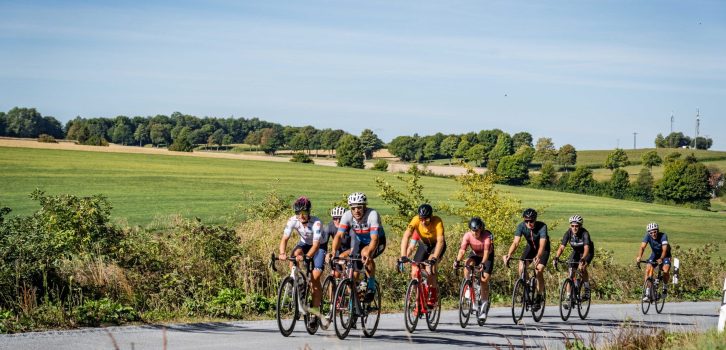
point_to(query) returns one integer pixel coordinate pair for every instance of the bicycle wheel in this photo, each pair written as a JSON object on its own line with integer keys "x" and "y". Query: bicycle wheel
{"x": 410, "y": 309}
{"x": 660, "y": 297}
{"x": 343, "y": 314}
{"x": 537, "y": 314}
{"x": 326, "y": 302}
{"x": 519, "y": 300}
{"x": 583, "y": 305}
{"x": 566, "y": 298}
{"x": 647, "y": 292}
{"x": 432, "y": 317}
{"x": 482, "y": 321}
{"x": 466, "y": 301}
{"x": 311, "y": 327}
{"x": 287, "y": 312}
{"x": 371, "y": 313}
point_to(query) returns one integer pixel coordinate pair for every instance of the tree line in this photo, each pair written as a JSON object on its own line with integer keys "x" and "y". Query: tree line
{"x": 679, "y": 140}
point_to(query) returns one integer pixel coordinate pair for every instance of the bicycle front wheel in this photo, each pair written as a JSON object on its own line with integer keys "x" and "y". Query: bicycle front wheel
{"x": 583, "y": 304}
{"x": 411, "y": 307}
{"x": 371, "y": 313}
{"x": 466, "y": 300}
{"x": 432, "y": 317}
{"x": 311, "y": 327}
{"x": 660, "y": 297}
{"x": 647, "y": 293}
{"x": 287, "y": 312}
{"x": 326, "y": 302}
{"x": 519, "y": 300}
{"x": 566, "y": 295}
{"x": 538, "y": 311}
{"x": 343, "y": 314}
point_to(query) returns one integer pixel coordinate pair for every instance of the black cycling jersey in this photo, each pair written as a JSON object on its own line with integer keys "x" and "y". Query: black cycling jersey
{"x": 578, "y": 241}
{"x": 533, "y": 236}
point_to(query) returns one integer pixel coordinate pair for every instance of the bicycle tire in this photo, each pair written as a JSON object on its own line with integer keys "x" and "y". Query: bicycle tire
{"x": 465, "y": 305}
{"x": 645, "y": 305}
{"x": 372, "y": 309}
{"x": 519, "y": 300}
{"x": 411, "y": 310}
{"x": 307, "y": 298}
{"x": 566, "y": 300}
{"x": 660, "y": 297}
{"x": 287, "y": 310}
{"x": 326, "y": 302}
{"x": 432, "y": 317}
{"x": 583, "y": 306}
{"x": 537, "y": 315}
{"x": 343, "y": 314}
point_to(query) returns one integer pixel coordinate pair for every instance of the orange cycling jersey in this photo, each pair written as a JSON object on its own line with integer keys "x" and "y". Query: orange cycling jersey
{"x": 429, "y": 232}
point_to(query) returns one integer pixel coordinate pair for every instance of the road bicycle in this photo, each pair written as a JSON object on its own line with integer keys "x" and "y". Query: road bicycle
{"x": 416, "y": 304}
{"x": 523, "y": 296}
{"x": 469, "y": 293}
{"x": 572, "y": 292}
{"x": 295, "y": 297}
{"x": 329, "y": 286}
{"x": 654, "y": 289}
{"x": 350, "y": 302}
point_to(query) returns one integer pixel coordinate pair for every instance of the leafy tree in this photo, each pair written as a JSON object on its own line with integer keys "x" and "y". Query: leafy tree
{"x": 684, "y": 182}
{"x": 476, "y": 154}
{"x": 677, "y": 140}
{"x": 643, "y": 186}
{"x": 380, "y": 165}
{"x": 350, "y": 152}
{"x": 271, "y": 139}
{"x": 216, "y": 138}
{"x": 159, "y": 133}
{"x": 141, "y": 134}
{"x": 254, "y": 138}
{"x": 547, "y": 176}
{"x": 545, "y": 150}
{"x": 462, "y": 149}
{"x": 329, "y": 139}
{"x": 617, "y": 159}
{"x": 619, "y": 183}
{"x": 567, "y": 156}
{"x": 182, "y": 142}
{"x": 448, "y": 147}
{"x": 404, "y": 202}
{"x": 525, "y": 153}
{"x": 671, "y": 157}
{"x": 504, "y": 147}
{"x": 581, "y": 180}
{"x": 298, "y": 142}
{"x": 403, "y": 147}
{"x": 3, "y": 124}
{"x": 522, "y": 139}
{"x": 431, "y": 148}
{"x": 121, "y": 134}
{"x": 227, "y": 140}
{"x": 660, "y": 141}
{"x": 651, "y": 159}
{"x": 488, "y": 139}
{"x": 370, "y": 143}
{"x": 703, "y": 142}
{"x": 512, "y": 170}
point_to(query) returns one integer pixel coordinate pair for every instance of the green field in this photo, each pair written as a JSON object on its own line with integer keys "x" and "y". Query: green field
{"x": 598, "y": 157}
{"x": 142, "y": 188}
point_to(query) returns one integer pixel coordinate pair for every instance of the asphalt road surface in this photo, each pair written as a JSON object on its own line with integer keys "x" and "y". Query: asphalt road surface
{"x": 499, "y": 332}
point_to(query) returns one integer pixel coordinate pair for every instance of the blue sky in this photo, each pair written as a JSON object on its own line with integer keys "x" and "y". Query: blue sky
{"x": 588, "y": 73}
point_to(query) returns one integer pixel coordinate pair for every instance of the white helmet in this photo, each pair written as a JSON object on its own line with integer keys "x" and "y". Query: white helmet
{"x": 357, "y": 198}
{"x": 652, "y": 226}
{"x": 576, "y": 218}
{"x": 337, "y": 212}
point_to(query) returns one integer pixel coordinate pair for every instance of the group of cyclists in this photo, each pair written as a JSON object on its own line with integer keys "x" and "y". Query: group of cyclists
{"x": 358, "y": 231}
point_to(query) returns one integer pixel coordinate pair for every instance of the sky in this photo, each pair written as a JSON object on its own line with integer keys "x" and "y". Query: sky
{"x": 587, "y": 73}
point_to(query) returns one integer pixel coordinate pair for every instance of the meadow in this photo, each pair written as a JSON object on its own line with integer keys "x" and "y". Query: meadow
{"x": 147, "y": 188}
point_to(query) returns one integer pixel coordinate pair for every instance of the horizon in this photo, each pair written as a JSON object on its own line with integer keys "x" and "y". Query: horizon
{"x": 576, "y": 72}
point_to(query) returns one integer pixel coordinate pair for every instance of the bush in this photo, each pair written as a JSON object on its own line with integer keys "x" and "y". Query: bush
{"x": 232, "y": 302}
{"x": 301, "y": 157}
{"x": 104, "y": 311}
{"x": 380, "y": 165}
{"x": 350, "y": 152}
{"x": 46, "y": 138}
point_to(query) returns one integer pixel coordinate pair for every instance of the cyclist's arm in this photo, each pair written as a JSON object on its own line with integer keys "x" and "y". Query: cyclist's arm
{"x": 283, "y": 245}
{"x": 313, "y": 249}
{"x": 642, "y": 249}
{"x": 336, "y": 242}
{"x": 513, "y": 247}
{"x": 404, "y": 242}
{"x": 664, "y": 251}
{"x": 462, "y": 247}
{"x": 440, "y": 240}
{"x": 585, "y": 253}
{"x": 542, "y": 244}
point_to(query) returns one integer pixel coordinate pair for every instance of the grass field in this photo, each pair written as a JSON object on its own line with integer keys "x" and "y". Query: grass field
{"x": 598, "y": 157}
{"x": 144, "y": 187}
{"x": 633, "y": 170}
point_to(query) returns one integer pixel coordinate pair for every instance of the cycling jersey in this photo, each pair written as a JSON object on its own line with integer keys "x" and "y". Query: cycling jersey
{"x": 657, "y": 244}
{"x": 533, "y": 236}
{"x": 478, "y": 245}
{"x": 578, "y": 241}
{"x": 370, "y": 224}
{"x": 331, "y": 230}
{"x": 309, "y": 233}
{"x": 429, "y": 232}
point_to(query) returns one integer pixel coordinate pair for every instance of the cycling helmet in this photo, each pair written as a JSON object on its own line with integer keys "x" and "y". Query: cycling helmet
{"x": 529, "y": 214}
{"x": 357, "y": 198}
{"x": 476, "y": 223}
{"x": 337, "y": 212}
{"x": 652, "y": 226}
{"x": 576, "y": 219}
{"x": 425, "y": 210}
{"x": 302, "y": 203}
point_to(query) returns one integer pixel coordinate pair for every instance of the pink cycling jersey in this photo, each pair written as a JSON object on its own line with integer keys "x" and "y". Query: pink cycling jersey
{"x": 477, "y": 244}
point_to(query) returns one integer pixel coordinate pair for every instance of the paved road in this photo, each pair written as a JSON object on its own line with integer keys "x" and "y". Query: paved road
{"x": 498, "y": 332}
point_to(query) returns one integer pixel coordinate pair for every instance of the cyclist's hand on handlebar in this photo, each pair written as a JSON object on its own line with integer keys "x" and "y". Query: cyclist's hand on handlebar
{"x": 433, "y": 261}
{"x": 404, "y": 259}
{"x": 555, "y": 262}
{"x": 282, "y": 256}
{"x": 456, "y": 264}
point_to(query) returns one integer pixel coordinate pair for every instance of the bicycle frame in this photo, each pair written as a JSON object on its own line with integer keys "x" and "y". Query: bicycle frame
{"x": 423, "y": 287}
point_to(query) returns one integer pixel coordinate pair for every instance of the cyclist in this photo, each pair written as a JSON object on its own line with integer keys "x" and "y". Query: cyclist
{"x": 368, "y": 239}
{"x": 538, "y": 248}
{"x": 431, "y": 245}
{"x": 660, "y": 254}
{"x": 312, "y": 245}
{"x": 583, "y": 250}
{"x": 343, "y": 245}
{"x": 481, "y": 242}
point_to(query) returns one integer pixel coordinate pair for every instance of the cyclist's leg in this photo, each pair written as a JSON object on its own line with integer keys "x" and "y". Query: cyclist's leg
{"x": 666, "y": 270}
{"x": 300, "y": 249}
{"x": 421, "y": 255}
{"x": 486, "y": 276}
{"x": 471, "y": 260}
{"x": 318, "y": 268}
{"x": 528, "y": 253}
{"x": 540, "y": 271}
{"x": 433, "y": 281}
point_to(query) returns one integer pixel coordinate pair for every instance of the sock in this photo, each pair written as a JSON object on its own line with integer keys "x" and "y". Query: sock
{"x": 371, "y": 283}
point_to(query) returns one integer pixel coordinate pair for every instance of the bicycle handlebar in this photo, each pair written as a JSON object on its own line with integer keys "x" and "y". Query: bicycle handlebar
{"x": 273, "y": 258}
{"x": 648, "y": 262}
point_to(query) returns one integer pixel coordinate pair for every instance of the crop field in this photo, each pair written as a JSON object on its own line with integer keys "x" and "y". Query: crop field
{"x": 598, "y": 157}
{"x": 143, "y": 188}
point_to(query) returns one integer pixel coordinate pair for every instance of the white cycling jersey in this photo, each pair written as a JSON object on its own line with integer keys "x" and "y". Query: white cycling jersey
{"x": 309, "y": 233}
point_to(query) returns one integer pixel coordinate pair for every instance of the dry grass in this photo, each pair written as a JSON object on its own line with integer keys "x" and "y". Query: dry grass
{"x": 98, "y": 274}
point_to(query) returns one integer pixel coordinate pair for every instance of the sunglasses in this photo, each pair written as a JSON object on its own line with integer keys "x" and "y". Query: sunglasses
{"x": 574, "y": 226}
{"x": 529, "y": 221}
{"x": 653, "y": 232}
{"x": 302, "y": 212}
{"x": 336, "y": 218}
{"x": 356, "y": 208}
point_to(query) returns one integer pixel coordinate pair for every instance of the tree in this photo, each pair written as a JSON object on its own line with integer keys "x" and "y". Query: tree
{"x": 329, "y": 139}
{"x": 24, "y": 122}
{"x": 462, "y": 149}
{"x": 182, "y": 142}
{"x": 3, "y": 123}
{"x": 545, "y": 150}
{"x": 488, "y": 139}
{"x": 702, "y": 142}
{"x": 619, "y": 183}
{"x": 525, "y": 153}
{"x": 271, "y": 139}
{"x": 370, "y": 143}
{"x": 159, "y": 134}
{"x": 504, "y": 147}
{"x": 567, "y": 156}
{"x": 512, "y": 170}
{"x": 121, "y": 134}
{"x": 643, "y": 186}
{"x": 677, "y": 140}
{"x": 141, "y": 134}
{"x": 521, "y": 139}
{"x": 448, "y": 147}
{"x": 431, "y": 148}
{"x": 476, "y": 154}
{"x": 227, "y": 140}
{"x": 547, "y": 176}
{"x": 581, "y": 180}
{"x": 298, "y": 142}
{"x": 660, "y": 141}
{"x": 684, "y": 182}
{"x": 216, "y": 138}
{"x": 403, "y": 147}
{"x": 350, "y": 152}
{"x": 651, "y": 159}
{"x": 617, "y": 159}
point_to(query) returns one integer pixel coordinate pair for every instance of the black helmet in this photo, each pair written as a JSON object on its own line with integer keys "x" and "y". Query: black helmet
{"x": 529, "y": 214}
{"x": 425, "y": 210}
{"x": 302, "y": 203}
{"x": 476, "y": 223}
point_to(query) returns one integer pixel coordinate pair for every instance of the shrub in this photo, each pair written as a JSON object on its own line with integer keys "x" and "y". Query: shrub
{"x": 619, "y": 183}
{"x": 684, "y": 182}
{"x": 380, "y": 165}
{"x": 232, "y": 302}
{"x": 46, "y": 138}
{"x": 300, "y": 157}
{"x": 349, "y": 152}
{"x": 104, "y": 311}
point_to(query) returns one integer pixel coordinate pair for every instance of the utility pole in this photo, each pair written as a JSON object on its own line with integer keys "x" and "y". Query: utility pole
{"x": 635, "y": 133}
{"x": 698, "y": 124}
{"x": 672, "y": 117}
